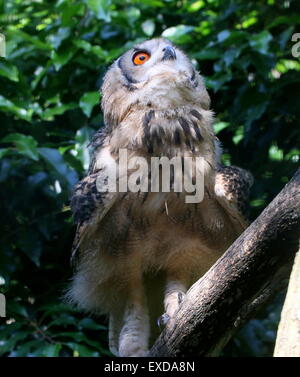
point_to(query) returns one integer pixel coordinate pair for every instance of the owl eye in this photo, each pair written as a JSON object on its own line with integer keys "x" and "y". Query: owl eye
{"x": 140, "y": 58}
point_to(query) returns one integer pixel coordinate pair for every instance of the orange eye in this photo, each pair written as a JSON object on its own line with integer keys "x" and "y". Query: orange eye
{"x": 140, "y": 58}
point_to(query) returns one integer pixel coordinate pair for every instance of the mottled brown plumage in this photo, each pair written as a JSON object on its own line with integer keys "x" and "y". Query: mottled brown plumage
{"x": 139, "y": 252}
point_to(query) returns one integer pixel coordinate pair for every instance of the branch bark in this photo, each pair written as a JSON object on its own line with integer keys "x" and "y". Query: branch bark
{"x": 256, "y": 266}
{"x": 288, "y": 335}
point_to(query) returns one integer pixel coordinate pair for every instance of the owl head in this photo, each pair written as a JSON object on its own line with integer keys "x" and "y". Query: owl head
{"x": 154, "y": 74}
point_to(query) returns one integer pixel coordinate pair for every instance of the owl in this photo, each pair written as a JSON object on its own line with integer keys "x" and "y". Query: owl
{"x": 137, "y": 251}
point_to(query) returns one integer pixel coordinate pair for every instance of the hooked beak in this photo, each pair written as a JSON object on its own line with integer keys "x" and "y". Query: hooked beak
{"x": 169, "y": 53}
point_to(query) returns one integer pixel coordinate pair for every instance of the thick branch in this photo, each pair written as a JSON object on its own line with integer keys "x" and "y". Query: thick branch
{"x": 249, "y": 272}
{"x": 288, "y": 335}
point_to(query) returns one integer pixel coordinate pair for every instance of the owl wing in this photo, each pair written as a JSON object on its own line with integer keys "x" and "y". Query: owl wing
{"x": 89, "y": 204}
{"x": 232, "y": 188}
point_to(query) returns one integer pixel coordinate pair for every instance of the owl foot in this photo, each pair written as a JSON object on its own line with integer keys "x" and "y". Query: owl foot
{"x": 163, "y": 320}
{"x": 180, "y": 297}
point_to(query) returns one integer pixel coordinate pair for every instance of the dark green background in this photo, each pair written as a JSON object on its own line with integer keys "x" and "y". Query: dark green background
{"x": 57, "y": 53}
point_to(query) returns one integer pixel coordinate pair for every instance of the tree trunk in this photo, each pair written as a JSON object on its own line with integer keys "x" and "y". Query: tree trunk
{"x": 288, "y": 335}
{"x": 251, "y": 270}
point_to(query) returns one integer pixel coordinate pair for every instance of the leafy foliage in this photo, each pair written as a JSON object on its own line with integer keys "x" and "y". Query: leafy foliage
{"x": 57, "y": 54}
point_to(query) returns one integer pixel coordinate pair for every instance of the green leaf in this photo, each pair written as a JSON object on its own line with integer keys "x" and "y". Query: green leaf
{"x": 31, "y": 245}
{"x": 33, "y": 40}
{"x": 16, "y": 307}
{"x": 223, "y": 35}
{"x": 88, "y": 101}
{"x": 55, "y": 308}
{"x": 70, "y": 11}
{"x": 80, "y": 43}
{"x": 81, "y": 150}
{"x": 230, "y": 56}
{"x": 275, "y": 153}
{"x": 4, "y": 152}
{"x": 101, "y": 8}
{"x": 195, "y": 6}
{"x": 10, "y": 107}
{"x": 218, "y": 127}
{"x": 291, "y": 19}
{"x": 61, "y": 34}
{"x": 51, "y": 350}
{"x": 132, "y": 15}
{"x": 57, "y": 110}
{"x": 63, "y": 320}
{"x": 239, "y": 135}
{"x": 89, "y": 323}
{"x": 55, "y": 160}
{"x": 96, "y": 50}
{"x": 148, "y": 27}
{"x": 178, "y": 34}
{"x": 80, "y": 338}
{"x": 8, "y": 70}
{"x": 40, "y": 72}
{"x": 207, "y": 54}
{"x": 217, "y": 81}
{"x": 82, "y": 351}
{"x": 260, "y": 41}
{"x": 25, "y": 144}
{"x": 28, "y": 348}
{"x": 255, "y": 112}
{"x": 9, "y": 344}
{"x": 62, "y": 57}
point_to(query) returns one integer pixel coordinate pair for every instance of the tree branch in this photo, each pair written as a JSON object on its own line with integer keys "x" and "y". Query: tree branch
{"x": 251, "y": 270}
{"x": 288, "y": 335}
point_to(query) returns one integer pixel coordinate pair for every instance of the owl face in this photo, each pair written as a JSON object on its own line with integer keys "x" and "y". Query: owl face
{"x": 154, "y": 74}
{"x": 155, "y": 57}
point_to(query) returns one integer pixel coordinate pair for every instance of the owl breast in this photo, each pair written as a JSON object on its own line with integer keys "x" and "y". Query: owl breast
{"x": 180, "y": 131}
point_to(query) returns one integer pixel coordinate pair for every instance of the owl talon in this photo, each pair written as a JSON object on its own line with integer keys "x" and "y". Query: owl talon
{"x": 163, "y": 320}
{"x": 180, "y": 298}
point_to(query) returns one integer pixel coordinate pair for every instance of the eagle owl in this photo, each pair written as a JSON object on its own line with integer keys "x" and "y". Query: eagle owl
{"x": 138, "y": 252}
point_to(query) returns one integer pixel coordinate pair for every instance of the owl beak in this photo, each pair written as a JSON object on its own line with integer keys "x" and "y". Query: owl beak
{"x": 169, "y": 53}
